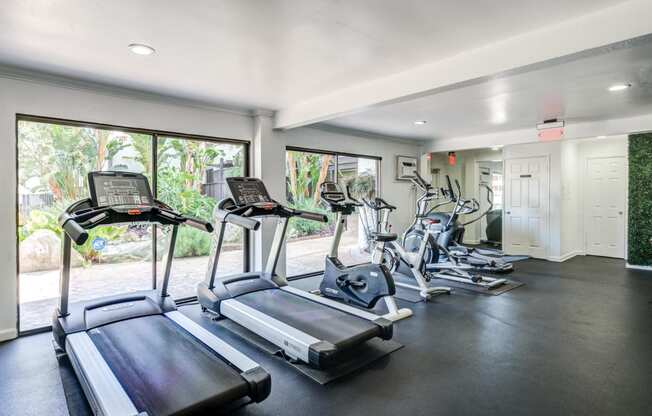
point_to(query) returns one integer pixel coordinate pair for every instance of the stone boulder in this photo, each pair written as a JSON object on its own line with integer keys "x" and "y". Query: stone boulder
{"x": 41, "y": 251}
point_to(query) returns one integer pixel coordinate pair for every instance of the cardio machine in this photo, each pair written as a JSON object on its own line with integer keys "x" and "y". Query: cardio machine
{"x": 363, "y": 285}
{"x": 306, "y": 327}
{"x": 441, "y": 259}
{"x": 452, "y": 232}
{"x": 135, "y": 354}
{"x": 404, "y": 265}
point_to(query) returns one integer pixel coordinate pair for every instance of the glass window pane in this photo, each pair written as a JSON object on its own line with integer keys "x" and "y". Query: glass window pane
{"x": 308, "y": 242}
{"x": 361, "y": 176}
{"x": 53, "y": 161}
{"x": 191, "y": 179}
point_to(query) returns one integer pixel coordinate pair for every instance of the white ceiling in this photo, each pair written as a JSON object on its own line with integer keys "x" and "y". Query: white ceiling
{"x": 274, "y": 53}
{"x": 575, "y": 90}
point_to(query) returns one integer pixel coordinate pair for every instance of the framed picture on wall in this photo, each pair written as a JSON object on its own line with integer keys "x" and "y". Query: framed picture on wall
{"x": 405, "y": 167}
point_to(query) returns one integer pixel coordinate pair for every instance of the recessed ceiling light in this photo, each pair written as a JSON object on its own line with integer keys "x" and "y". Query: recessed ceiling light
{"x": 619, "y": 87}
{"x": 420, "y": 122}
{"x": 140, "y": 49}
{"x": 498, "y": 117}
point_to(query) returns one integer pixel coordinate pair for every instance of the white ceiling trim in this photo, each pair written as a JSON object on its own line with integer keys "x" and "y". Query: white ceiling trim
{"x": 26, "y": 75}
{"x": 595, "y": 30}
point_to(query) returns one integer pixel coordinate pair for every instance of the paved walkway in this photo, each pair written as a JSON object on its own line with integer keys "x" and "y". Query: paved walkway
{"x": 39, "y": 291}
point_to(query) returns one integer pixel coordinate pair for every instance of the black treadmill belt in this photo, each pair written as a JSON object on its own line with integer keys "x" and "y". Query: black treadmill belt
{"x": 322, "y": 322}
{"x": 164, "y": 369}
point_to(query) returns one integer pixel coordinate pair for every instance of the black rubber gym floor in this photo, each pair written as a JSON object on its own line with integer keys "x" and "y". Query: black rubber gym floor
{"x": 575, "y": 340}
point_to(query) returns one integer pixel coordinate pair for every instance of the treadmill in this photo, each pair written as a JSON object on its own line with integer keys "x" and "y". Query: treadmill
{"x": 135, "y": 354}
{"x": 307, "y": 327}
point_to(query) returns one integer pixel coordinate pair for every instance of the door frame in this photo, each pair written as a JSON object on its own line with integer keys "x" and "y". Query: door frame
{"x": 584, "y": 194}
{"x": 476, "y": 193}
{"x": 507, "y": 179}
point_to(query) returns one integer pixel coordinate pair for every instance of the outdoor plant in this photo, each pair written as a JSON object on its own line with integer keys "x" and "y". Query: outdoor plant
{"x": 362, "y": 186}
{"x": 299, "y": 227}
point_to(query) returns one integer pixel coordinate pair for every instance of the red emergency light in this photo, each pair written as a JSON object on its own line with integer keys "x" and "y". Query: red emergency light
{"x": 452, "y": 158}
{"x": 551, "y": 135}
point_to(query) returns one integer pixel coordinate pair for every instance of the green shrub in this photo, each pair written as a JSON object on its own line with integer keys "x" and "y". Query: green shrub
{"x": 192, "y": 243}
{"x": 299, "y": 227}
{"x": 173, "y": 191}
{"x": 106, "y": 232}
{"x": 39, "y": 220}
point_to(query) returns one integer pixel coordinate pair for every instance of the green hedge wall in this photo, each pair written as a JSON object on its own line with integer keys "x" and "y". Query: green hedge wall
{"x": 640, "y": 200}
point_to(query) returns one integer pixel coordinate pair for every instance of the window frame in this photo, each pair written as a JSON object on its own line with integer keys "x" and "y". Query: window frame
{"x": 154, "y": 133}
{"x": 337, "y": 154}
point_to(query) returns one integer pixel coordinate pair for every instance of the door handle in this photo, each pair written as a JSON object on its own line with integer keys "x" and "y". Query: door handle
{"x": 620, "y": 213}
{"x": 508, "y": 212}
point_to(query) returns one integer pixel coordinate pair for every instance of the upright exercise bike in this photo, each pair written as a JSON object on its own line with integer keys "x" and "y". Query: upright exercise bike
{"x": 363, "y": 285}
{"x": 408, "y": 268}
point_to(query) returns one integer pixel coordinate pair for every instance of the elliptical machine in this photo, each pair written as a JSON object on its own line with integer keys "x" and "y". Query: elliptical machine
{"x": 441, "y": 262}
{"x": 389, "y": 252}
{"x": 452, "y": 236}
{"x": 362, "y": 285}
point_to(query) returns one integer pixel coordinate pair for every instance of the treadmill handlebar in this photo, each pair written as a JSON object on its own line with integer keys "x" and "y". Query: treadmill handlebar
{"x": 244, "y": 222}
{"x": 312, "y": 216}
{"x": 199, "y": 224}
{"x": 81, "y": 216}
{"x": 227, "y": 211}
{"x": 75, "y": 231}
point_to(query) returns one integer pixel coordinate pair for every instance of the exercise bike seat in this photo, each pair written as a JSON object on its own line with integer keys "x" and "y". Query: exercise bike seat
{"x": 383, "y": 237}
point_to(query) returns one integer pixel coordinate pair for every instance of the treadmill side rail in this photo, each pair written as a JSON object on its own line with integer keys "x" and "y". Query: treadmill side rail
{"x": 235, "y": 357}
{"x": 258, "y": 379}
{"x": 103, "y": 390}
{"x": 385, "y": 324}
{"x": 295, "y": 343}
{"x": 331, "y": 303}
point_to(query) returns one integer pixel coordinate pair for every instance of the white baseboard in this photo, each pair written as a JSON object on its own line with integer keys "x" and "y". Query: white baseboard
{"x": 637, "y": 267}
{"x": 472, "y": 241}
{"x": 567, "y": 256}
{"x": 7, "y": 334}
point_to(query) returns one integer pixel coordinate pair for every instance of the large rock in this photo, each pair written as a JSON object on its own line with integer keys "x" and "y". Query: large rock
{"x": 42, "y": 251}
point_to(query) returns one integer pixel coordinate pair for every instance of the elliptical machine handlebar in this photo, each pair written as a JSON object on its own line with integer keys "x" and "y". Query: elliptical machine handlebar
{"x": 378, "y": 204}
{"x": 451, "y": 192}
{"x": 422, "y": 182}
{"x": 351, "y": 198}
{"x": 490, "y": 200}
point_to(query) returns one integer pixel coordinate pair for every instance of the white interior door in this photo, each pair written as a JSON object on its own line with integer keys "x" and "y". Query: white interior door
{"x": 604, "y": 221}
{"x": 526, "y": 206}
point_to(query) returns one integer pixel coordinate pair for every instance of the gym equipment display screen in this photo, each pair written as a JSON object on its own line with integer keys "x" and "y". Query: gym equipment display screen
{"x": 248, "y": 191}
{"x": 331, "y": 187}
{"x": 115, "y": 189}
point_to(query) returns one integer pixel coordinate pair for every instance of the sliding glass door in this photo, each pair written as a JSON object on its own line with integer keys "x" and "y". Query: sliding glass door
{"x": 309, "y": 242}
{"x": 191, "y": 178}
{"x": 360, "y": 174}
{"x": 53, "y": 161}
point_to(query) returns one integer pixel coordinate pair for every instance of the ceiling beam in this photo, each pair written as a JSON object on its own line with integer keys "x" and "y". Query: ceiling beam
{"x": 592, "y": 31}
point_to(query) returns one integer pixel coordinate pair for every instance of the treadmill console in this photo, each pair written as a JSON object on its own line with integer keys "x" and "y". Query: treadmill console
{"x": 248, "y": 191}
{"x": 119, "y": 188}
